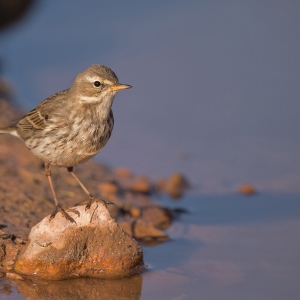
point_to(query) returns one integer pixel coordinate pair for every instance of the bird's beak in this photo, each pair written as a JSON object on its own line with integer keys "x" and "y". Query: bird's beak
{"x": 120, "y": 86}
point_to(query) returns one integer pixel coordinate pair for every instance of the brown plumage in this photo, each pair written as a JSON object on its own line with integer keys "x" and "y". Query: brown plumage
{"x": 72, "y": 126}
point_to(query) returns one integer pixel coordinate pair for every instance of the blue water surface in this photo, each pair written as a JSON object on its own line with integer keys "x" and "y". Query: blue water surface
{"x": 224, "y": 247}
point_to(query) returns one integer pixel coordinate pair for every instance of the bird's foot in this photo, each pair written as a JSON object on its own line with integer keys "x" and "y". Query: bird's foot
{"x": 64, "y": 213}
{"x": 73, "y": 210}
{"x": 90, "y": 200}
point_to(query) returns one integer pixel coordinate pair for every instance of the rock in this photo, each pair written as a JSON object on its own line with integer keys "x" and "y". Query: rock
{"x": 95, "y": 247}
{"x": 176, "y": 185}
{"x": 8, "y": 254}
{"x": 14, "y": 276}
{"x": 134, "y": 211}
{"x": 108, "y": 188}
{"x": 2, "y": 251}
{"x": 142, "y": 230}
{"x": 141, "y": 185}
{"x": 159, "y": 217}
{"x": 19, "y": 241}
{"x": 123, "y": 172}
{"x": 247, "y": 189}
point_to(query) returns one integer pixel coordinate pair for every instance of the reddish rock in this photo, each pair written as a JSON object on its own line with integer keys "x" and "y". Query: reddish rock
{"x": 2, "y": 251}
{"x": 95, "y": 247}
{"x": 176, "y": 185}
{"x": 14, "y": 276}
{"x": 123, "y": 172}
{"x": 8, "y": 254}
{"x": 141, "y": 185}
{"x": 142, "y": 230}
{"x": 247, "y": 189}
{"x": 135, "y": 212}
{"x": 108, "y": 188}
{"x": 159, "y": 217}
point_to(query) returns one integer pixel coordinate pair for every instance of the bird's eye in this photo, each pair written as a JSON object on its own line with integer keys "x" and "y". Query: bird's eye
{"x": 97, "y": 83}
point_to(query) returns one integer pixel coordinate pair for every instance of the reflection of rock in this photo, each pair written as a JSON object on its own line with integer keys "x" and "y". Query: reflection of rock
{"x": 93, "y": 247}
{"x": 247, "y": 189}
{"x": 5, "y": 289}
{"x": 83, "y": 288}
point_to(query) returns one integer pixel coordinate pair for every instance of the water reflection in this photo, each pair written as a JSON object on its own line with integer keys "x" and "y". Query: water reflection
{"x": 5, "y": 288}
{"x": 83, "y": 288}
{"x": 229, "y": 247}
{"x": 250, "y": 251}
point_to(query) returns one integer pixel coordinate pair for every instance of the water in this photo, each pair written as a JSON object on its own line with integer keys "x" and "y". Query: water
{"x": 226, "y": 247}
{"x": 215, "y": 83}
{"x": 229, "y": 247}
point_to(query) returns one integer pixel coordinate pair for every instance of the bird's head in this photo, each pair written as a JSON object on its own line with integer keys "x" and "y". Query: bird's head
{"x": 97, "y": 84}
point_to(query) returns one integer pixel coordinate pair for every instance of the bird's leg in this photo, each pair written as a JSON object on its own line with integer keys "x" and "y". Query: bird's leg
{"x": 58, "y": 208}
{"x": 70, "y": 169}
{"x": 90, "y": 198}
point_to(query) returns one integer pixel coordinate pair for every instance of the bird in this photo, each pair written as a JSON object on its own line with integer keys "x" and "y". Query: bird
{"x": 71, "y": 126}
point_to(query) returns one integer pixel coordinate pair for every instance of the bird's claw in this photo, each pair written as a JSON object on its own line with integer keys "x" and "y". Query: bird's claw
{"x": 91, "y": 199}
{"x": 58, "y": 209}
{"x": 105, "y": 202}
{"x": 73, "y": 210}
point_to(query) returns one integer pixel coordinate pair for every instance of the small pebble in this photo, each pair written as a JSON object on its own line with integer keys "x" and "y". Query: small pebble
{"x": 247, "y": 189}
{"x": 14, "y": 276}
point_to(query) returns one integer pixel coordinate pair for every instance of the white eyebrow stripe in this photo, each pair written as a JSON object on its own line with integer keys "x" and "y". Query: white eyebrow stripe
{"x": 92, "y": 78}
{"x": 96, "y": 78}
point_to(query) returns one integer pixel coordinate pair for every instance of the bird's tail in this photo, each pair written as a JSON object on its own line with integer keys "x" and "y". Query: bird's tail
{"x": 6, "y": 129}
{"x": 10, "y": 129}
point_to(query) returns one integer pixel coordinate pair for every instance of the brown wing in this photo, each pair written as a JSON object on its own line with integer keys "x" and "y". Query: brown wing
{"x": 34, "y": 120}
{"x": 37, "y": 119}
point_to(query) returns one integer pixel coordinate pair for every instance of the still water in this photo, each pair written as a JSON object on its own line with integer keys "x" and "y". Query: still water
{"x": 215, "y": 83}
{"x": 225, "y": 247}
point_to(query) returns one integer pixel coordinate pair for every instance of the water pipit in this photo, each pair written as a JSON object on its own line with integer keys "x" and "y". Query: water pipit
{"x": 71, "y": 126}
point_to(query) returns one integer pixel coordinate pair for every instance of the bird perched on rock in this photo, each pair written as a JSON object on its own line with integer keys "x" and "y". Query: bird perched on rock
{"x": 71, "y": 126}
